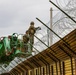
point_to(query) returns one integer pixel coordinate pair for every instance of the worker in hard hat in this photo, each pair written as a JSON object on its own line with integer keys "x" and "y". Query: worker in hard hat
{"x": 32, "y": 31}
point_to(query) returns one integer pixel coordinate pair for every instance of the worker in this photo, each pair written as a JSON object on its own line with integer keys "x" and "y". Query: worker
{"x": 32, "y": 31}
{"x": 14, "y": 42}
{"x": 26, "y": 40}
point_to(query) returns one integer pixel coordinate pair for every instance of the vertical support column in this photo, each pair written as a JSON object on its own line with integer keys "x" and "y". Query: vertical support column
{"x": 63, "y": 68}
{"x": 36, "y": 72}
{"x": 40, "y": 71}
{"x": 52, "y": 70}
{"x": 60, "y": 68}
{"x": 72, "y": 66}
{"x": 56, "y": 69}
{"x": 47, "y": 69}
{"x": 75, "y": 66}
{"x": 33, "y": 72}
{"x": 30, "y": 72}
{"x": 25, "y": 73}
{"x": 43, "y": 71}
{"x": 21, "y": 73}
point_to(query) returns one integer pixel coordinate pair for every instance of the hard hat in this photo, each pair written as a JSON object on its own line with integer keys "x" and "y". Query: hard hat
{"x": 32, "y": 23}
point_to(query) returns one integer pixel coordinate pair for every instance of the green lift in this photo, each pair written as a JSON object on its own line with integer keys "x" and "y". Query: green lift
{"x": 11, "y": 47}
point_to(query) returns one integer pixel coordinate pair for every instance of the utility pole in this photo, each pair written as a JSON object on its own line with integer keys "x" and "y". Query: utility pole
{"x": 51, "y": 34}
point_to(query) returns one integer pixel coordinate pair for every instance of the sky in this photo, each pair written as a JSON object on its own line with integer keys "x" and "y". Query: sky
{"x": 16, "y": 15}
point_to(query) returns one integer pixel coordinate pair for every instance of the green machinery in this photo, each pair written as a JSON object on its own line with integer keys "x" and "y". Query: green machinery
{"x": 10, "y": 47}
